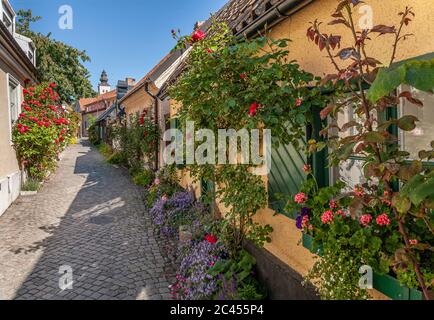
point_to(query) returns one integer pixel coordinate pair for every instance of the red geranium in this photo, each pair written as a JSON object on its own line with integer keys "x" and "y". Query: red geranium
{"x": 210, "y": 238}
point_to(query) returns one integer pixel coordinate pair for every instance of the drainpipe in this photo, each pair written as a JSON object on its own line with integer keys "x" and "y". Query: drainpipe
{"x": 157, "y": 151}
{"x": 273, "y": 17}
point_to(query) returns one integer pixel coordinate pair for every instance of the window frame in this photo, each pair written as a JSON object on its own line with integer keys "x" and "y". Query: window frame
{"x": 10, "y": 16}
{"x": 399, "y": 134}
{"x": 11, "y": 79}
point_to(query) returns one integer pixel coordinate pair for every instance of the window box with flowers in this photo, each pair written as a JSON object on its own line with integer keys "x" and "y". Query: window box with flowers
{"x": 384, "y": 283}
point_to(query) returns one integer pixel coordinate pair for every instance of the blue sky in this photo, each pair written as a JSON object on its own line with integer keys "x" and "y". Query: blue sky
{"x": 126, "y": 38}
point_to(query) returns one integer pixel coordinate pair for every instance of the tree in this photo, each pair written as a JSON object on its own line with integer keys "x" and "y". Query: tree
{"x": 58, "y": 62}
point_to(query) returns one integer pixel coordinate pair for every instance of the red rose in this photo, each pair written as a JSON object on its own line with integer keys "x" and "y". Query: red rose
{"x": 53, "y": 85}
{"x": 198, "y": 35}
{"x": 243, "y": 76}
{"x": 210, "y": 238}
{"x": 253, "y": 109}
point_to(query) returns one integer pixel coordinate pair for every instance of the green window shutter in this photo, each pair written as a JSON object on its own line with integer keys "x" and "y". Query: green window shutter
{"x": 286, "y": 175}
{"x": 174, "y": 123}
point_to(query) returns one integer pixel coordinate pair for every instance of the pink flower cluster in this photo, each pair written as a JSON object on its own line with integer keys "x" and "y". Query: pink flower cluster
{"x": 305, "y": 222}
{"x": 301, "y": 198}
{"x": 327, "y": 217}
{"x": 333, "y": 204}
{"x": 365, "y": 220}
{"x": 383, "y": 220}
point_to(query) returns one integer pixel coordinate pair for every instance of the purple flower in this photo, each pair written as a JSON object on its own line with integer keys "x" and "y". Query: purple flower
{"x": 196, "y": 262}
{"x": 305, "y": 211}
{"x": 299, "y": 220}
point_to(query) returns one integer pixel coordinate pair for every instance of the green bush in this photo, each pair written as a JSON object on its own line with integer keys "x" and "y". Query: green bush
{"x": 137, "y": 142}
{"x": 116, "y": 158}
{"x": 31, "y": 185}
{"x": 94, "y": 135}
{"x": 144, "y": 178}
{"x": 105, "y": 149}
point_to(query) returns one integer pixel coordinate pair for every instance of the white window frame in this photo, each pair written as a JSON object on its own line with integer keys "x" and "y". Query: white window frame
{"x": 9, "y": 79}
{"x": 8, "y": 11}
{"x": 400, "y": 113}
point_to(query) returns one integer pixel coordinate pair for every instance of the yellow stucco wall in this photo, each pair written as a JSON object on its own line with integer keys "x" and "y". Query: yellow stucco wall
{"x": 137, "y": 102}
{"x": 286, "y": 237}
{"x": 384, "y": 12}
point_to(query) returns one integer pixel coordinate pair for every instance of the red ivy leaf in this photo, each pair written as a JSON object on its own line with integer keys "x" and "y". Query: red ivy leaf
{"x": 382, "y": 29}
{"x": 326, "y": 111}
{"x": 410, "y": 98}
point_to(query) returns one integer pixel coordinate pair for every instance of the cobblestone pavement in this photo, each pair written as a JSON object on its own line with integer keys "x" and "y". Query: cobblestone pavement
{"x": 88, "y": 217}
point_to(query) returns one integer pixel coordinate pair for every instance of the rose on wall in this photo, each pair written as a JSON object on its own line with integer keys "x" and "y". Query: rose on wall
{"x": 42, "y": 130}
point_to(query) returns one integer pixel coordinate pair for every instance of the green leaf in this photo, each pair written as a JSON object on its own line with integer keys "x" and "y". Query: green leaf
{"x": 420, "y": 75}
{"x": 386, "y": 81}
{"x": 407, "y": 123}
{"x": 374, "y": 137}
{"x": 422, "y": 192}
{"x": 401, "y": 203}
{"x": 416, "y": 73}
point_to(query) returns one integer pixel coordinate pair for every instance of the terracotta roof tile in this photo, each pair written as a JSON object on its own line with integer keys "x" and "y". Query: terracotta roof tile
{"x": 139, "y": 84}
{"x": 88, "y": 101}
{"x": 240, "y": 13}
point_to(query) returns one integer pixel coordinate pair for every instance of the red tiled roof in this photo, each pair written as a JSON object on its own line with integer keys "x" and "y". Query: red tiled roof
{"x": 105, "y": 96}
{"x": 238, "y": 14}
{"x": 142, "y": 81}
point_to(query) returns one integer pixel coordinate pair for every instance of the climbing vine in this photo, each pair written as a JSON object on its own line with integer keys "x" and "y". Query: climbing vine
{"x": 248, "y": 84}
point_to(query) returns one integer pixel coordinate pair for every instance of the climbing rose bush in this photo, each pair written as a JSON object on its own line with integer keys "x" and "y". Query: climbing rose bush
{"x": 42, "y": 130}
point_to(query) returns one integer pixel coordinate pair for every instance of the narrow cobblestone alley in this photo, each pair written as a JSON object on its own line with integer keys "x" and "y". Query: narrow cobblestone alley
{"x": 88, "y": 217}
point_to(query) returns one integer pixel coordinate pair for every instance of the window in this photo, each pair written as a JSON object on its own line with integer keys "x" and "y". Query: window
{"x": 8, "y": 23}
{"x": 421, "y": 137}
{"x": 351, "y": 170}
{"x": 14, "y": 100}
{"x": 8, "y": 18}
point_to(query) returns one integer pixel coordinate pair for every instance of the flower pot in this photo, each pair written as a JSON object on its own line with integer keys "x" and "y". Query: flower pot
{"x": 307, "y": 241}
{"x": 385, "y": 284}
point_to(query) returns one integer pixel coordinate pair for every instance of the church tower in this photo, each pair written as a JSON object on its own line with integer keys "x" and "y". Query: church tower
{"x": 104, "y": 86}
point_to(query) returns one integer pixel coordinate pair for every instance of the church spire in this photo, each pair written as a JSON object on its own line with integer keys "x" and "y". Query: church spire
{"x": 103, "y": 86}
{"x": 104, "y": 79}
